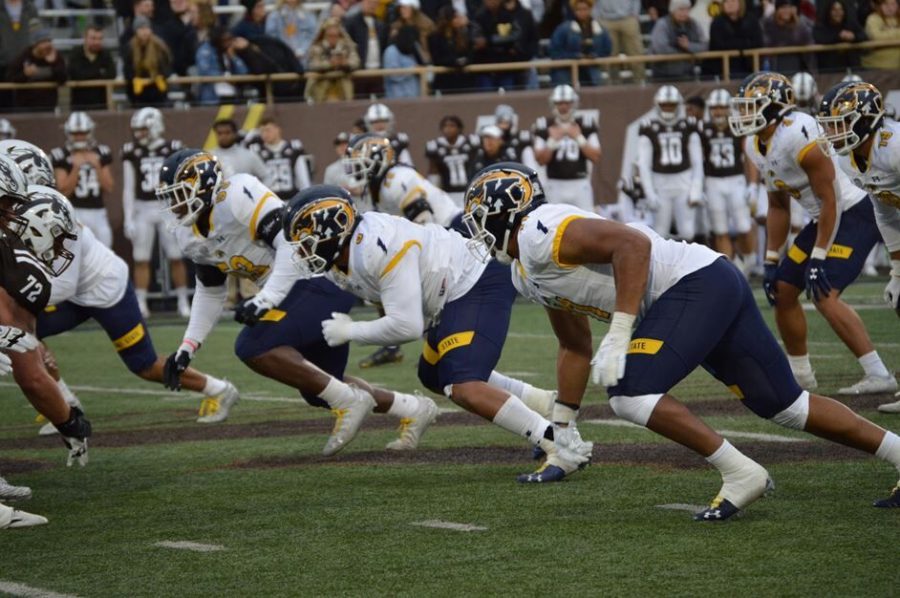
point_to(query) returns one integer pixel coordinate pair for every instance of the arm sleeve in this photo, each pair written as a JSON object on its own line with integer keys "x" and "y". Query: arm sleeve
{"x": 401, "y": 297}
{"x": 888, "y": 219}
{"x": 645, "y": 162}
{"x": 695, "y": 150}
{"x": 127, "y": 190}
{"x": 206, "y": 306}
{"x": 284, "y": 273}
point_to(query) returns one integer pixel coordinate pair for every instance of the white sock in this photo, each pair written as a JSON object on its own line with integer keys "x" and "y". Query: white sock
{"x": 214, "y": 386}
{"x": 800, "y": 364}
{"x": 67, "y": 394}
{"x": 141, "y": 295}
{"x": 404, "y": 405}
{"x": 563, "y": 414}
{"x": 873, "y": 366}
{"x": 182, "y": 294}
{"x": 515, "y": 416}
{"x": 337, "y": 394}
{"x": 514, "y": 387}
{"x": 728, "y": 460}
{"x": 889, "y": 450}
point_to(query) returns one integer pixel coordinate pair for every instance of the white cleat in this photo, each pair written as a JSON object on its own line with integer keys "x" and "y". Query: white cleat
{"x": 412, "y": 428}
{"x": 10, "y": 492}
{"x": 184, "y": 310}
{"x": 807, "y": 380}
{"x": 871, "y": 385}
{"x": 11, "y": 518}
{"x": 216, "y": 409}
{"x": 48, "y": 429}
{"x": 890, "y": 407}
{"x": 738, "y": 492}
{"x": 567, "y": 454}
{"x": 348, "y": 420}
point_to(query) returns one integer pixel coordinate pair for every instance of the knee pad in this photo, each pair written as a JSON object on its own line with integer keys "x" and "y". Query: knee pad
{"x": 637, "y": 409}
{"x": 795, "y": 415}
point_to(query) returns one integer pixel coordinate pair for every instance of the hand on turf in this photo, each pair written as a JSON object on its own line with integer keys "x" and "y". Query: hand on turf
{"x": 74, "y": 432}
{"x": 249, "y": 311}
{"x": 770, "y": 269}
{"x": 817, "y": 284}
{"x": 337, "y": 330}
{"x": 176, "y": 363}
{"x": 78, "y": 451}
{"x": 14, "y": 339}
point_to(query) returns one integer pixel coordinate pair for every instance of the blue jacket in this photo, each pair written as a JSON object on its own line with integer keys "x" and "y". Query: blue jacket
{"x": 566, "y": 42}
{"x": 208, "y": 64}
{"x": 399, "y": 86}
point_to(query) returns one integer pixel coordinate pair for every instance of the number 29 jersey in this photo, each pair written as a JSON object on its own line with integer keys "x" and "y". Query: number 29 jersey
{"x": 142, "y": 163}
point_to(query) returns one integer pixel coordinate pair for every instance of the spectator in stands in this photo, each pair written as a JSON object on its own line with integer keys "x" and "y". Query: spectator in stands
{"x": 40, "y": 62}
{"x": 147, "y": 63}
{"x": 503, "y": 31}
{"x": 408, "y": 14}
{"x": 581, "y": 37}
{"x": 218, "y": 55}
{"x": 371, "y": 38}
{"x": 656, "y": 9}
{"x": 90, "y": 61}
{"x": 178, "y": 30}
{"x": 402, "y": 53}
{"x": 293, "y": 25}
{"x": 676, "y": 33}
{"x": 839, "y": 27}
{"x": 140, "y": 8}
{"x": 451, "y": 45}
{"x": 786, "y": 27}
{"x": 333, "y": 56}
{"x": 253, "y": 24}
{"x": 883, "y": 24}
{"x": 734, "y": 29}
{"x": 620, "y": 19}
{"x": 15, "y": 19}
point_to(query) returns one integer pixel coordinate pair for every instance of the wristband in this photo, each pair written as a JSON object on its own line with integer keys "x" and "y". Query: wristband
{"x": 622, "y": 322}
{"x": 818, "y": 253}
{"x": 772, "y": 256}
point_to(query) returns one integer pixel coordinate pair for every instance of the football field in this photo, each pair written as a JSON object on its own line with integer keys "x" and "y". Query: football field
{"x": 169, "y": 507}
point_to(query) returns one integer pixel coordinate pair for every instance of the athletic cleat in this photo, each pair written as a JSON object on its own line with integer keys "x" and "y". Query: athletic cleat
{"x": 891, "y": 502}
{"x": 545, "y": 474}
{"x": 807, "y": 381}
{"x": 216, "y": 409}
{"x": 756, "y": 484}
{"x": 567, "y": 454}
{"x": 870, "y": 385}
{"x": 412, "y": 428}
{"x": 11, "y": 518}
{"x": 382, "y": 356}
{"x": 48, "y": 429}
{"x": 348, "y": 420}
{"x": 891, "y": 407}
{"x": 10, "y": 492}
{"x": 719, "y": 510}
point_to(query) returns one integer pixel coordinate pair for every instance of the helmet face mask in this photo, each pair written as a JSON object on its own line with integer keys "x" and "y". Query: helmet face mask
{"x": 668, "y": 103}
{"x": 762, "y": 100}
{"x": 79, "y": 129}
{"x": 45, "y": 223}
{"x": 32, "y": 161}
{"x": 13, "y": 193}
{"x": 369, "y": 156}
{"x": 318, "y": 225}
{"x": 147, "y": 126}
{"x": 565, "y": 97}
{"x": 188, "y": 184}
{"x": 379, "y": 119}
{"x": 849, "y": 114}
{"x": 719, "y": 105}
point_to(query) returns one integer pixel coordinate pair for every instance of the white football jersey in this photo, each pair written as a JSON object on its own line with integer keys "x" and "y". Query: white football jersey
{"x": 447, "y": 269}
{"x": 97, "y": 277}
{"x": 880, "y": 177}
{"x": 591, "y": 289}
{"x": 231, "y": 245}
{"x": 403, "y": 184}
{"x": 780, "y": 167}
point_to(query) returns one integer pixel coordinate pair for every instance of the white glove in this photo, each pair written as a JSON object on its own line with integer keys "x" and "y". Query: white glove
{"x": 751, "y": 194}
{"x": 608, "y": 365}
{"x": 14, "y": 339}
{"x": 78, "y": 451}
{"x": 652, "y": 203}
{"x": 337, "y": 330}
{"x": 892, "y": 290}
{"x": 129, "y": 230}
{"x": 5, "y": 364}
{"x": 696, "y": 202}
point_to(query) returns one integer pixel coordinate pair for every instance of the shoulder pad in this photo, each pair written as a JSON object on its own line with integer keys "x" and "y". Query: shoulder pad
{"x": 431, "y": 146}
{"x": 297, "y": 145}
{"x": 402, "y": 138}
{"x": 540, "y": 123}
{"x": 176, "y": 144}
{"x": 128, "y": 147}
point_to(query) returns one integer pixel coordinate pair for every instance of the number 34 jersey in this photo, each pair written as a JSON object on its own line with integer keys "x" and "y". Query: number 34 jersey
{"x": 142, "y": 163}
{"x": 87, "y": 193}
{"x": 723, "y": 153}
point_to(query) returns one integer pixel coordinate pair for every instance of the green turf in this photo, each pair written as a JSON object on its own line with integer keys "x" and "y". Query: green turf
{"x": 322, "y": 529}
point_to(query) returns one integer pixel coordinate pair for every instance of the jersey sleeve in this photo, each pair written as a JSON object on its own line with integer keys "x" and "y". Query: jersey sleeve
{"x": 59, "y": 159}
{"x": 23, "y": 277}
{"x": 431, "y": 148}
{"x": 801, "y": 138}
{"x": 251, "y": 204}
{"x": 106, "y": 155}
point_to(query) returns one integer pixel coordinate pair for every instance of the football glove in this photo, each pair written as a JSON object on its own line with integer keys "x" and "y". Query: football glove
{"x": 770, "y": 269}
{"x": 249, "y": 311}
{"x": 892, "y": 290}
{"x": 608, "y": 365}
{"x": 337, "y": 330}
{"x": 177, "y": 362}
{"x": 14, "y": 339}
{"x": 652, "y": 203}
{"x": 75, "y": 431}
{"x": 817, "y": 283}
{"x": 5, "y": 364}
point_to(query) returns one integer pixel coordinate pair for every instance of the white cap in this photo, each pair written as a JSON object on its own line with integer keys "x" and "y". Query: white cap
{"x": 491, "y": 131}
{"x": 414, "y": 3}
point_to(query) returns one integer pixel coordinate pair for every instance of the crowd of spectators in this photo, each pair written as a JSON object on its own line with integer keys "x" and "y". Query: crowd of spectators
{"x": 161, "y": 38}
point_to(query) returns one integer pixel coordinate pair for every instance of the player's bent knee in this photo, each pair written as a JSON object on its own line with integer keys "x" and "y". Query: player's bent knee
{"x": 795, "y": 415}
{"x": 637, "y": 409}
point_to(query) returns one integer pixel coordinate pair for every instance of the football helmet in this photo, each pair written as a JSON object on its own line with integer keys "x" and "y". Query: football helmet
{"x": 147, "y": 126}
{"x": 368, "y": 157}
{"x": 188, "y": 182}
{"x": 762, "y": 100}
{"x": 849, "y": 113}
{"x": 506, "y": 118}
{"x": 7, "y": 131}
{"x": 852, "y": 78}
{"x": 13, "y": 192}
{"x": 47, "y": 221}
{"x": 82, "y": 125}
{"x": 32, "y": 161}
{"x": 564, "y": 94}
{"x": 496, "y": 200}
{"x": 318, "y": 223}
{"x": 805, "y": 89}
{"x": 379, "y": 113}
{"x": 719, "y": 105}
{"x": 668, "y": 103}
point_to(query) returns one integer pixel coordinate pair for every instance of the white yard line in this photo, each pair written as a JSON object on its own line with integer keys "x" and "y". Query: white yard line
{"x": 615, "y": 423}
{"x": 20, "y": 589}
{"x": 620, "y": 423}
{"x": 192, "y": 546}
{"x": 168, "y": 396}
{"x": 680, "y": 506}
{"x": 457, "y": 527}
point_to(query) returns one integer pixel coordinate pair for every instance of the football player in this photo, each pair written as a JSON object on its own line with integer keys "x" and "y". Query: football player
{"x": 671, "y": 307}
{"x": 491, "y": 149}
{"x": 829, "y": 253}
{"x": 568, "y": 146}
{"x": 288, "y": 165}
{"x": 806, "y": 92}
{"x": 233, "y": 226}
{"x": 379, "y": 119}
{"x": 520, "y": 140}
{"x": 449, "y": 158}
{"x": 83, "y": 170}
{"x": 428, "y": 281}
{"x": 868, "y": 148}
{"x": 142, "y": 159}
{"x": 670, "y": 160}
{"x": 727, "y": 196}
